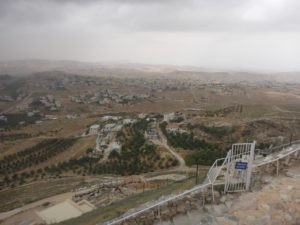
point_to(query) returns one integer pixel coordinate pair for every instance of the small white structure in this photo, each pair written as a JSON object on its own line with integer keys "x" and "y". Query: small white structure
{"x": 117, "y": 128}
{"x": 114, "y": 146}
{"x": 94, "y": 129}
{"x": 65, "y": 210}
{"x": 142, "y": 115}
{"x": 174, "y": 128}
{"x": 114, "y": 118}
{"x": 172, "y": 116}
{"x": 129, "y": 121}
{"x": 108, "y": 127}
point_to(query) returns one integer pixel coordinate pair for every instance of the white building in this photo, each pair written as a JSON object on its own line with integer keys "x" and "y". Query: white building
{"x": 94, "y": 129}
{"x": 114, "y": 118}
{"x": 129, "y": 121}
{"x": 142, "y": 115}
{"x": 108, "y": 127}
{"x": 172, "y": 116}
{"x": 174, "y": 128}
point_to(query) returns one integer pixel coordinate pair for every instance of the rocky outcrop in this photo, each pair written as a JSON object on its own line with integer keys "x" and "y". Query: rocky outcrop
{"x": 274, "y": 200}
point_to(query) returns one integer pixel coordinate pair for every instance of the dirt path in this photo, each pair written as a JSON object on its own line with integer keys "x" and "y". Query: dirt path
{"x": 164, "y": 142}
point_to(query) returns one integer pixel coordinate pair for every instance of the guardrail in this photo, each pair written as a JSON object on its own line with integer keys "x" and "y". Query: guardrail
{"x": 212, "y": 174}
{"x": 278, "y": 157}
{"x": 215, "y": 169}
{"x": 278, "y": 148}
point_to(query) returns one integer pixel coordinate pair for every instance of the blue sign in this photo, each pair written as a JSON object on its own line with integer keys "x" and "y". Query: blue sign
{"x": 241, "y": 165}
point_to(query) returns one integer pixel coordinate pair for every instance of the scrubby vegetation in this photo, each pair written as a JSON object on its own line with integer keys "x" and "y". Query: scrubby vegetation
{"x": 15, "y": 168}
{"x": 13, "y": 137}
{"x": 137, "y": 155}
{"x": 34, "y": 155}
{"x": 205, "y": 153}
{"x": 225, "y": 111}
{"x": 15, "y": 119}
{"x": 215, "y": 131}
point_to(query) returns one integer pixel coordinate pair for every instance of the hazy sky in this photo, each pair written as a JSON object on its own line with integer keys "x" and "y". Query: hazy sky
{"x": 235, "y": 34}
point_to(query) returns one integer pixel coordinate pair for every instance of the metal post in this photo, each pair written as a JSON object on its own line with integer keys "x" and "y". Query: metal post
{"x": 197, "y": 173}
{"x": 250, "y": 161}
{"x": 212, "y": 193}
{"x": 158, "y": 212}
{"x": 227, "y": 171}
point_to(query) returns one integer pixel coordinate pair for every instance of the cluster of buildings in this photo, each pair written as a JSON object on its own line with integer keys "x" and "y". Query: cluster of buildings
{"x": 106, "y": 97}
{"x": 151, "y": 132}
{"x": 174, "y": 128}
{"x": 106, "y": 141}
{"x": 50, "y": 102}
{"x": 109, "y": 127}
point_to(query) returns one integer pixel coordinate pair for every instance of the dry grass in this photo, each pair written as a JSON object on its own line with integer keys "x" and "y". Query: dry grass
{"x": 16, "y": 197}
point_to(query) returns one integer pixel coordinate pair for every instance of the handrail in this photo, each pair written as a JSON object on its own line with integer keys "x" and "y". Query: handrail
{"x": 211, "y": 180}
{"x": 212, "y": 175}
{"x": 277, "y": 158}
{"x": 273, "y": 149}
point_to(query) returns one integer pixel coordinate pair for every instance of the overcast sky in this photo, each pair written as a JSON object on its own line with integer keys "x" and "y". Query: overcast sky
{"x": 230, "y": 34}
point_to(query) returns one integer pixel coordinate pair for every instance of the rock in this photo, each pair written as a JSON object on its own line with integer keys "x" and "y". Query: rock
{"x": 179, "y": 220}
{"x": 206, "y": 220}
{"x": 266, "y": 219}
{"x": 251, "y": 218}
{"x": 208, "y": 208}
{"x": 165, "y": 223}
{"x": 288, "y": 217}
{"x": 285, "y": 198}
{"x": 217, "y": 196}
{"x": 181, "y": 209}
{"x": 276, "y": 205}
{"x": 219, "y": 209}
{"x": 290, "y": 187}
{"x": 232, "y": 217}
{"x": 223, "y": 199}
{"x": 265, "y": 206}
{"x": 195, "y": 217}
{"x": 225, "y": 221}
{"x": 228, "y": 204}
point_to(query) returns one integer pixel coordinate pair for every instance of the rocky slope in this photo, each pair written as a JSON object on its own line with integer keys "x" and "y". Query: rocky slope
{"x": 276, "y": 203}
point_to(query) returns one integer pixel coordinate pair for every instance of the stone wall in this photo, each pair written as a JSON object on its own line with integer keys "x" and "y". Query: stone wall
{"x": 198, "y": 201}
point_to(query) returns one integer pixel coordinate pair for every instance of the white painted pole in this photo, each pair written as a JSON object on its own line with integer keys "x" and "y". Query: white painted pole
{"x": 250, "y": 162}
{"x": 229, "y": 153}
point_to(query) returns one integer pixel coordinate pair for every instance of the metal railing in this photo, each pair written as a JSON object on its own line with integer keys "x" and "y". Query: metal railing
{"x": 215, "y": 169}
{"x": 278, "y": 148}
{"x": 212, "y": 175}
{"x": 278, "y": 157}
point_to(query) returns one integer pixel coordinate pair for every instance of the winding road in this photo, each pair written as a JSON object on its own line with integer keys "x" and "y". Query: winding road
{"x": 164, "y": 142}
